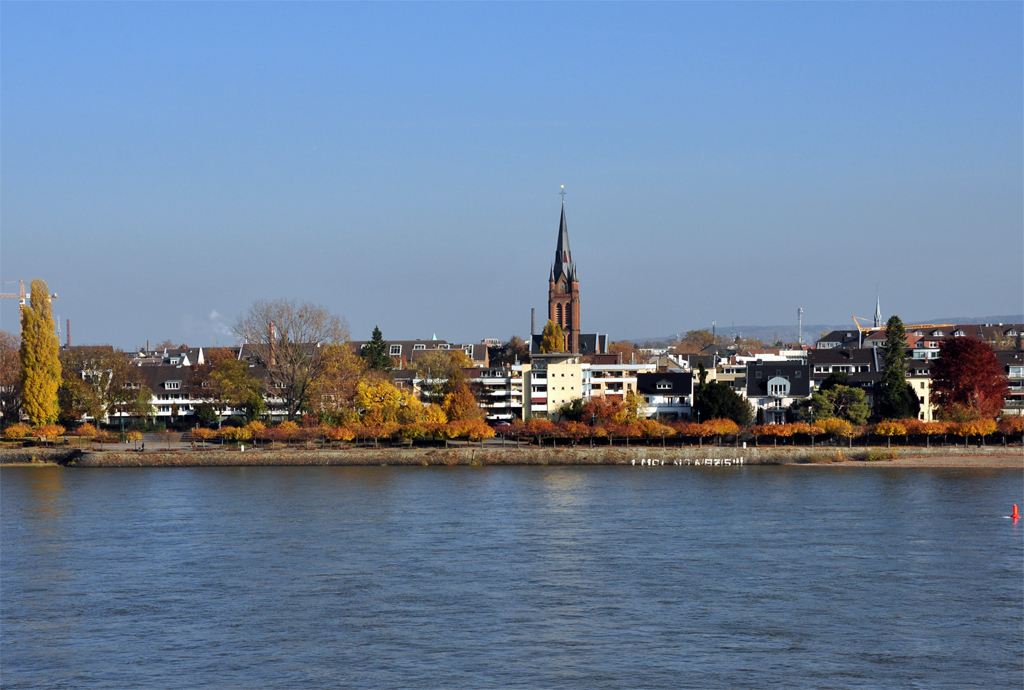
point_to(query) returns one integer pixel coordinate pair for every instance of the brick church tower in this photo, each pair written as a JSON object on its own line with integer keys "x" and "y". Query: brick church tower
{"x": 564, "y": 290}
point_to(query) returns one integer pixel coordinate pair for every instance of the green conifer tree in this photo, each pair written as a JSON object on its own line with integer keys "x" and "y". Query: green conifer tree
{"x": 375, "y": 352}
{"x": 896, "y": 397}
{"x": 40, "y": 358}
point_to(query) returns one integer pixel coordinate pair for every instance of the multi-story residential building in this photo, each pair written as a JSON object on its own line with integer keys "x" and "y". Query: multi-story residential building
{"x": 550, "y": 381}
{"x": 842, "y": 361}
{"x": 919, "y": 377}
{"x": 1013, "y": 367}
{"x": 500, "y": 392}
{"x": 734, "y": 375}
{"x": 772, "y": 387}
{"x": 669, "y": 395}
{"x": 614, "y": 380}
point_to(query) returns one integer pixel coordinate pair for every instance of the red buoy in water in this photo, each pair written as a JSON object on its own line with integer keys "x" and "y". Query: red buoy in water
{"x": 1015, "y": 515}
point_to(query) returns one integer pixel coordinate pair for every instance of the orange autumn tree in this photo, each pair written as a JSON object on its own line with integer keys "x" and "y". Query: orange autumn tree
{"x": 721, "y": 427}
{"x": 837, "y": 428}
{"x": 1012, "y": 425}
{"x": 460, "y": 404}
{"x": 890, "y": 429}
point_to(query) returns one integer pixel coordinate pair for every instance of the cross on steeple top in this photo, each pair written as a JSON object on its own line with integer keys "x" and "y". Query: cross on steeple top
{"x": 563, "y": 193}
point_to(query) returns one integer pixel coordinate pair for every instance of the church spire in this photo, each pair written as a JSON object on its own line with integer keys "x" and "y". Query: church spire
{"x": 878, "y": 312}
{"x": 563, "y": 266}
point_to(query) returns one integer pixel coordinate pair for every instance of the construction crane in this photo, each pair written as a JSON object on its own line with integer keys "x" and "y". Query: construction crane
{"x": 22, "y": 296}
{"x": 907, "y": 326}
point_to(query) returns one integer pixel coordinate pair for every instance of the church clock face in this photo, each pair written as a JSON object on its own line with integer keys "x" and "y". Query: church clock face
{"x": 561, "y": 287}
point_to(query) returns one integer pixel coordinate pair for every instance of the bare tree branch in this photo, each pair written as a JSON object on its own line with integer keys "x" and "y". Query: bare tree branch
{"x": 290, "y": 339}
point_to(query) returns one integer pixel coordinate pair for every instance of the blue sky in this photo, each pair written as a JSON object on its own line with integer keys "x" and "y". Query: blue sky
{"x": 163, "y": 165}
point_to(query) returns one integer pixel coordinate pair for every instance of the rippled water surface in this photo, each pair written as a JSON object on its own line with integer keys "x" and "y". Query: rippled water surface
{"x": 510, "y": 577}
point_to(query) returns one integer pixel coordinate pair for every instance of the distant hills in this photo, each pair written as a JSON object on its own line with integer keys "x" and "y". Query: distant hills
{"x": 788, "y": 332}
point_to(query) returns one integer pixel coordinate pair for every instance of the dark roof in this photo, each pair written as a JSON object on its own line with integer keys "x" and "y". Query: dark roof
{"x": 841, "y": 339}
{"x": 798, "y": 375}
{"x": 1010, "y": 358}
{"x": 679, "y": 383}
{"x": 563, "y": 267}
{"x": 593, "y": 343}
{"x": 919, "y": 367}
{"x": 852, "y": 355}
{"x": 695, "y": 360}
{"x": 590, "y": 344}
{"x": 409, "y": 349}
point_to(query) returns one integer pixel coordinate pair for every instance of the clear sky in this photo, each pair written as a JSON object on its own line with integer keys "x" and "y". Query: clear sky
{"x": 163, "y": 165}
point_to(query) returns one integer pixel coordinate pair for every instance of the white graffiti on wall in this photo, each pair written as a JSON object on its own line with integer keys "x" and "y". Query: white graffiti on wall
{"x": 696, "y": 462}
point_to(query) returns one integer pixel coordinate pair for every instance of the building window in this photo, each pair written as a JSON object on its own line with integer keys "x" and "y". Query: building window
{"x": 758, "y": 375}
{"x": 395, "y": 350}
{"x": 443, "y": 346}
{"x": 663, "y": 386}
{"x": 468, "y": 349}
{"x": 558, "y": 315}
{"x": 419, "y": 346}
{"x": 172, "y": 385}
{"x": 798, "y": 373}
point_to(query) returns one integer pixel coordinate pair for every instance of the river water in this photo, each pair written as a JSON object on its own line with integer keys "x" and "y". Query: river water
{"x": 573, "y": 577}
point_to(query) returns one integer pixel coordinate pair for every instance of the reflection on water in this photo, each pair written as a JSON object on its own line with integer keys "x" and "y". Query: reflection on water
{"x": 531, "y": 577}
{"x": 45, "y": 489}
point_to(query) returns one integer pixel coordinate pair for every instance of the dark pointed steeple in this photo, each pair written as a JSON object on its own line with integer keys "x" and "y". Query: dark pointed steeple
{"x": 563, "y": 266}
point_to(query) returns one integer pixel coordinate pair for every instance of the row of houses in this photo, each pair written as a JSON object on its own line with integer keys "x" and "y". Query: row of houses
{"x": 772, "y": 380}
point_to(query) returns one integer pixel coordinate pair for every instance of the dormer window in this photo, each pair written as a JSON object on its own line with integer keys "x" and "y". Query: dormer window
{"x": 443, "y": 346}
{"x": 395, "y": 350}
{"x": 957, "y": 333}
{"x": 468, "y": 349}
{"x": 172, "y": 385}
{"x": 419, "y": 346}
{"x": 663, "y": 386}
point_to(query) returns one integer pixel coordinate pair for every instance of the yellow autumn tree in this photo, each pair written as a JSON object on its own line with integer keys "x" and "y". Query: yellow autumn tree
{"x": 380, "y": 402}
{"x": 40, "y": 358}
{"x": 634, "y": 407}
{"x": 434, "y": 414}
{"x": 551, "y": 338}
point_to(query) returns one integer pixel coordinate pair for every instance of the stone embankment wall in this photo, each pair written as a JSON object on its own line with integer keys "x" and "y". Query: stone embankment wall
{"x": 60, "y": 456}
{"x": 485, "y": 455}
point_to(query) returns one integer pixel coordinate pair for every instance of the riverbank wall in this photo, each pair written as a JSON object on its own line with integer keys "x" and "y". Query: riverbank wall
{"x": 491, "y": 456}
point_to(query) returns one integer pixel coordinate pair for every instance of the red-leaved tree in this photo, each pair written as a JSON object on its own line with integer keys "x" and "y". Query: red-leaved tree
{"x": 967, "y": 379}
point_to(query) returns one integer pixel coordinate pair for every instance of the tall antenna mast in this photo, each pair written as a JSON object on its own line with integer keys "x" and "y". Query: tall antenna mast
{"x": 800, "y": 325}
